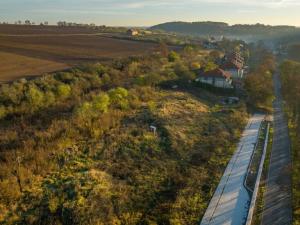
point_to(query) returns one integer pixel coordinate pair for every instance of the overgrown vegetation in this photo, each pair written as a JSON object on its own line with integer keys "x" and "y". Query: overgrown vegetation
{"x": 290, "y": 86}
{"x": 76, "y": 147}
{"x": 259, "y": 206}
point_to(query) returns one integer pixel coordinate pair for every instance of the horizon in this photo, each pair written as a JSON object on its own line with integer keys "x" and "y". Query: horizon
{"x": 141, "y": 26}
{"x": 147, "y": 13}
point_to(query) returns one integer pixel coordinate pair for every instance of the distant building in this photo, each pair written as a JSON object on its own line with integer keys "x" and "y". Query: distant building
{"x": 216, "y": 78}
{"x": 132, "y": 32}
{"x": 210, "y": 44}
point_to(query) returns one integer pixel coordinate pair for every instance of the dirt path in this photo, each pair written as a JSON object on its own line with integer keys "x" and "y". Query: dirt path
{"x": 277, "y": 199}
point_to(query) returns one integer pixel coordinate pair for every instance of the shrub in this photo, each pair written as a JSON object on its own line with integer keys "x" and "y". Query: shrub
{"x": 106, "y": 79}
{"x": 35, "y": 98}
{"x": 210, "y": 66}
{"x": 85, "y": 111}
{"x": 173, "y": 56}
{"x": 195, "y": 66}
{"x": 183, "y": 72}
{"x": 63, "y": 90}
{"x": 49, "y": 98}
{"x": 3, "y": 112}
{"x": 101, "y": 103}
{"x": 118, "y": 97}
{"x": 11, "y": 94}
{"x": 66, "y": 77}
{"x": 133, "y": 69}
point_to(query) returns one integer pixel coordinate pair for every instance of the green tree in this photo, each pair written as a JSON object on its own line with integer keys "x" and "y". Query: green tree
{"x": 259, "y": 87}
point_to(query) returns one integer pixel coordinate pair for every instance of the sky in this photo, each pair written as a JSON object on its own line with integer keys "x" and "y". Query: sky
{"x": 152, "y": 12}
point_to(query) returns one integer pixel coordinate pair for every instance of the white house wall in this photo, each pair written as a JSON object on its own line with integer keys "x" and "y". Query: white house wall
{"x": 207, "y": 80}
{"x": 216, "y": 82}
{"x": 222, "y": 83}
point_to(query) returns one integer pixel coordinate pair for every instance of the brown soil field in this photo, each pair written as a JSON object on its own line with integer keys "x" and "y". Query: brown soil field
{"x": 30, "y": 52}
{"x": 25, "y": 30}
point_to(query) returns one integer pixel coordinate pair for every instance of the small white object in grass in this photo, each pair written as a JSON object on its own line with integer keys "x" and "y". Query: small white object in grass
{"x": 153, "y": 128}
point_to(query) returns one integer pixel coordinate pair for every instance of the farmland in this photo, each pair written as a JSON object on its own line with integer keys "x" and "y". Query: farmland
{"x": 32, "y": 50}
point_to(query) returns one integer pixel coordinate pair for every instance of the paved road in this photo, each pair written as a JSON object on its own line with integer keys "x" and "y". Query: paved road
{"x": 277, "y": 207}
{"x": 230, "y": 203}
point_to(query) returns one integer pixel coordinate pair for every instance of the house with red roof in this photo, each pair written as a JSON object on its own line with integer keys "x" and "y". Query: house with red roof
{"x": 235, "y": 68}
{"x": 234, "y": 64}
{"x": 217, "y": 78}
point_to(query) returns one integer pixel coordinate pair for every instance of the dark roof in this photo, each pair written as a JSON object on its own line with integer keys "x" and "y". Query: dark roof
{"x": 233, "y": 60}
{"x": 216, "y": 73}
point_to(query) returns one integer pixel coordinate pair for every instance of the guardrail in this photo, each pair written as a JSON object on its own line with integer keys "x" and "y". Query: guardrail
{"x": 256, "y": 187}
{"x": 251, "y": 160}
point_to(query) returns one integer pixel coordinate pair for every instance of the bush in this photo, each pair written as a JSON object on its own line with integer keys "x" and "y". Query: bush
{"x": 11, "y": 94}
{"x": 183, "y": 72}
{"x": 195, "y": 66}
{"x": 35, "y": 98}
{"x": 49, "y": 98}
{"x": 85, "y": 111}
{"x": 118, "y": 97}
{"x": 150, "y": 79}
{"x": 65, "y": 77}
{"x": 63, "y": 91}
{"x": 133, "y": 69}
{"x": 3, "y": 112}
{"x": 173, "y": 56}
{"x": 101, "y": 103}
{"x": 210, "y": 66}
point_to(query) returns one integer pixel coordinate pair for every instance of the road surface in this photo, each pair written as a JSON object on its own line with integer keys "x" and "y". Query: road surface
{"x": 230, "y": 203}
{"x": 277, "y": 198}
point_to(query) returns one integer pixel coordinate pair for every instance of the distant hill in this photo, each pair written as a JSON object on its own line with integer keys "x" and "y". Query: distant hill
{"x": 245, "y": 31}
